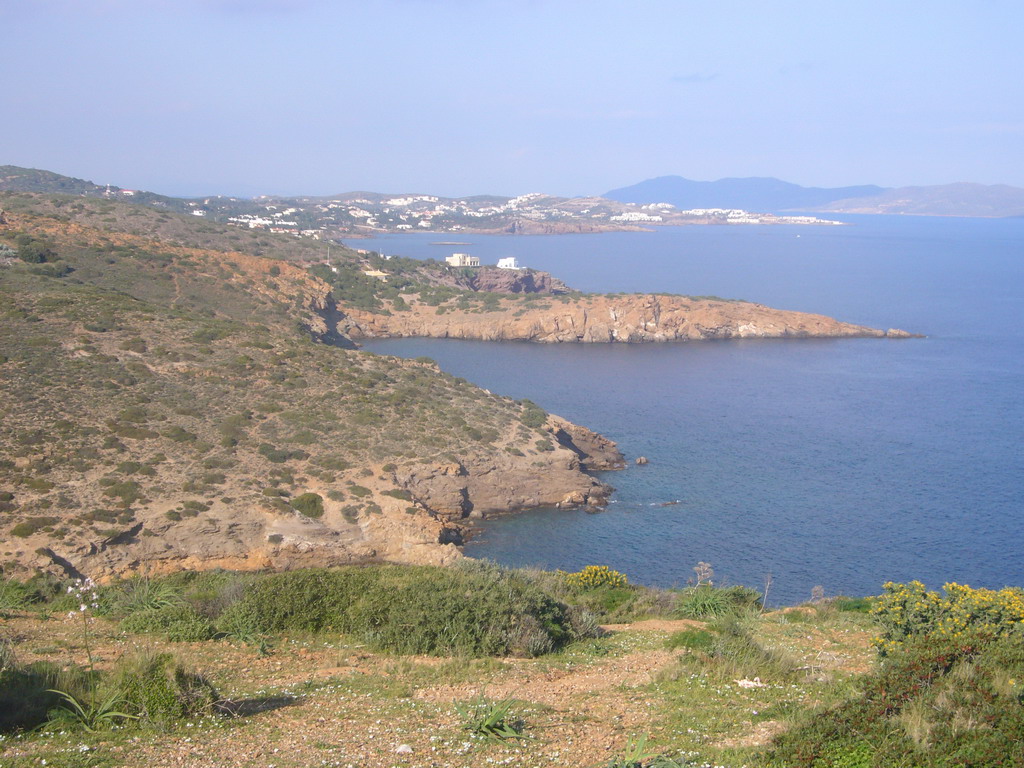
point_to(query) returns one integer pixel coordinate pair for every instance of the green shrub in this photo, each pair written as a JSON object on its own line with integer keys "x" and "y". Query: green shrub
{"x": 594, "y": 576}
{"x": 359, "y": 491}
{"x": 33, "y": 525}
{"x": 308, "y": 601}
{"x": 473, "y": 610}
{"x": 128, "y": 492}
{"x": 909, "y": 610}
{"x": 180, "y": 435}
{"x": 933, "y": 701}
{"x": 178, "y": 623}
{"x": 533, "y": 415}
{"x": 309, "y": 504}
{"x": 158, "y": 690}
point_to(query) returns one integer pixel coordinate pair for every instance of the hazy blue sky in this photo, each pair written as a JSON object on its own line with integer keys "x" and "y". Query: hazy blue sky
{"x": 460, "y": 97}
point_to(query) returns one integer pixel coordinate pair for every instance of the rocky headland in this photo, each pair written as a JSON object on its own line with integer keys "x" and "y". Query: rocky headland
{"x": 633, "y": 318}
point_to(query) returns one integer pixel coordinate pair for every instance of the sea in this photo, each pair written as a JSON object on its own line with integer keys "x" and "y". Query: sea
{"x": 791, "y": 464}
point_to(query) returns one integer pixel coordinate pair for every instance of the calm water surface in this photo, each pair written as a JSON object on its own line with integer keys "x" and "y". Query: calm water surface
{"x": 835, "y": 462}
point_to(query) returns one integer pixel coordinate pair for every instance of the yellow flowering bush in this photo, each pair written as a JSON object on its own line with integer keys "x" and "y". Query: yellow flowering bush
{"x": 907, "y": 610}
{"x": 594, "y": 576}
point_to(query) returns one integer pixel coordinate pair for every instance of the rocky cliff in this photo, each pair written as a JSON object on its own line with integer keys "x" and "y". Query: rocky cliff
{"x": 598, "y": 318}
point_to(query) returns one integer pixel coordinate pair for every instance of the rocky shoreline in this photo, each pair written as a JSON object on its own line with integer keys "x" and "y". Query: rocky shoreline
{"x": 634, "y": 318}
{"x": 425, "y": 512}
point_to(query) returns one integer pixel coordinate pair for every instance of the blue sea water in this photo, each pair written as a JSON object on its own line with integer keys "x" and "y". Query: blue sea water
{"x": 842, "y": 463}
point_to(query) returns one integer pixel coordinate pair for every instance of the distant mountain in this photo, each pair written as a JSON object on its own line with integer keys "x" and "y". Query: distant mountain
{"x": 998, "y": 200}
{"x": 752, "y": 194}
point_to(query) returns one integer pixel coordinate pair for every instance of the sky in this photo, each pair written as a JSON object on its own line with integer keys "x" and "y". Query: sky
{"x": 463, "y": 97}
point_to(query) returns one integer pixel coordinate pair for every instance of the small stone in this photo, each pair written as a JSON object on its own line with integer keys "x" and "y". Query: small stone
{"x": 404, "y": 749}
{"x": 641, "y": 459}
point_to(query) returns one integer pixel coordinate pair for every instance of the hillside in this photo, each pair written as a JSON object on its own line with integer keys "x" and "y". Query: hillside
{"x": 752, "y": 194}
{"x": 995, "y": 201}
{"x": 360, "y": 214}
{"x": 756, "y": 194}
{"x": 164, "y": 407}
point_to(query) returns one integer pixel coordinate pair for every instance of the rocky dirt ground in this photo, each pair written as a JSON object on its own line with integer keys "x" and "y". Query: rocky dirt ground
{"x": 326, "y": 701}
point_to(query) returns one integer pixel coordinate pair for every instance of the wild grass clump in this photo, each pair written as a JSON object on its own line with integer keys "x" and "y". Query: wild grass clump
{"x": 27, "y": 691}
{"x": 137, "y": 690}
{"x": 139, "y": 593}
{"x": 157, "y": 689}
{"x": 691, "y": 639}
{"x": 727, "y": 650}
{"x": 707, "y": 602}
{"x": 13, "y": 596}
{"x": 491, "y": 720}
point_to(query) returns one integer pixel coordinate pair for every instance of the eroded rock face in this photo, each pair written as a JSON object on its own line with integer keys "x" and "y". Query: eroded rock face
{"x": 602, "y": 319}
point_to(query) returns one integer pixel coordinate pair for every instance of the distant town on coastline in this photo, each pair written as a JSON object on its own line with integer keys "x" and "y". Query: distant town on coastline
{"x": 666, "y": 201}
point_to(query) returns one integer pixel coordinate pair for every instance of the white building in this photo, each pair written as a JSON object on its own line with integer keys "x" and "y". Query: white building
{"x": 462, "y": 260}
{"x": 508, "y": 263}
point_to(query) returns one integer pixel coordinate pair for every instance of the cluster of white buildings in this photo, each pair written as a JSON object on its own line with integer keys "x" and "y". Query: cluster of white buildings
{"x": 465, "y": 260}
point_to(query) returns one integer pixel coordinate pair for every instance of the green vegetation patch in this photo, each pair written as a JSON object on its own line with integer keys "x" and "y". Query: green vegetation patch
{"x": 468, "y": 611}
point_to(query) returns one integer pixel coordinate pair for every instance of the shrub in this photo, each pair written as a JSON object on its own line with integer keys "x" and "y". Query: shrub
{"x": 178, "y": 623}
{"x": 13, "y": 596}
{"x": 471, "y": 610}
{"x": 33, "y": 525}
{"x": 594, "y": 576}
{"x": 309, "y": 504}
{"x": 909, "y": 610}
{"x": 157, "y": 689}
{"x": 180, "y": 435}
{"x": 128, "y": 491}
{"x": 935, "y": 701}
{"x": 533, "y": 415}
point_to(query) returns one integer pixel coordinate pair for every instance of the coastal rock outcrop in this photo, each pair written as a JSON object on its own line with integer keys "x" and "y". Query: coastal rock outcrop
{"x": 495, "y": 280}
{"x": 420, "y": 515}
{"x": 634, "y": 318}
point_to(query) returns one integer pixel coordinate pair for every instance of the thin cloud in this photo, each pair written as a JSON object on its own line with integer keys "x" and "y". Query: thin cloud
{"x": 696, "y": 77}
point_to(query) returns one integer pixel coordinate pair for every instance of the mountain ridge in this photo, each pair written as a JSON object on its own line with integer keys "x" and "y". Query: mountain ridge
{"x": 771, "y": 194}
